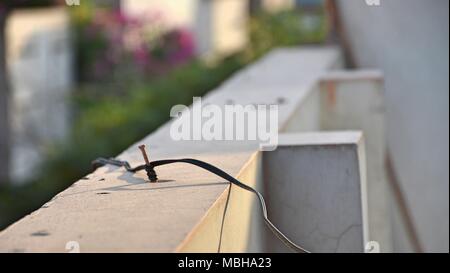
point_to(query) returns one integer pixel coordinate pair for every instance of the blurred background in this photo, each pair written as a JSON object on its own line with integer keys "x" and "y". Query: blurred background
{"x": 81, "y": 79}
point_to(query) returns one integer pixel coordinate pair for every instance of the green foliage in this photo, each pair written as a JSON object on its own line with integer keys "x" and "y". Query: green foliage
{"x": 106, "y": 123}
{"x": 282, "y": 29}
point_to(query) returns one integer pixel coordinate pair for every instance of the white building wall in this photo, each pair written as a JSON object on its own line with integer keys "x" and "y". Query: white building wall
{"x": 39, "y": 57}
{"x": 409, "y": 41}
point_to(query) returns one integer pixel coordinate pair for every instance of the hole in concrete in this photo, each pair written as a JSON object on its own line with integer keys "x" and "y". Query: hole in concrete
{"x": 281, "y": 100}
{"x": 101, "y": 193}
{"x": 17, "y": 250}
{"x": 101, "y": 179}
{"x": 162, "y": 181}
{"x": 40, "y": 233}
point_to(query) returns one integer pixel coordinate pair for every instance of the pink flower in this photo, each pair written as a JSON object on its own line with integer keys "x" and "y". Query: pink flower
{"x": 184, "y": 48}
{"x": 139, "y": 39}
{"x": 185, "y": 39}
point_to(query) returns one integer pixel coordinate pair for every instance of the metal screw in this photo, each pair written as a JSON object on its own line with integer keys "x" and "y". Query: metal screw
{"x": 144, "y": 154}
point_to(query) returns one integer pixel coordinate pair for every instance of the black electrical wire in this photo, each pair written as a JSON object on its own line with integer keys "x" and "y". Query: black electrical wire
{"x": 149, "y": 168}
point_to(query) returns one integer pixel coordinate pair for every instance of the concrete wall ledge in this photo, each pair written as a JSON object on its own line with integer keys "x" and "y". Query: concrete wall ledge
{"x": 114, "y": 211}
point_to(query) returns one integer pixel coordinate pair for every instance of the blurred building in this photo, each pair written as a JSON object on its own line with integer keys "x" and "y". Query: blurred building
{"x": 39, "y": 60}
{"x": 409, "y": 41}
{"x": 219, "y": 26}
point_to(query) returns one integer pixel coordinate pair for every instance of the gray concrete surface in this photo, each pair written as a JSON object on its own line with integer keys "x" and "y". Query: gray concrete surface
{"x": 316, "y": 191}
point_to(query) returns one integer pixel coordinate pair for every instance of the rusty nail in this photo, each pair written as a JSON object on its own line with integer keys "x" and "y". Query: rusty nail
{"x": 144, "y": 154}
